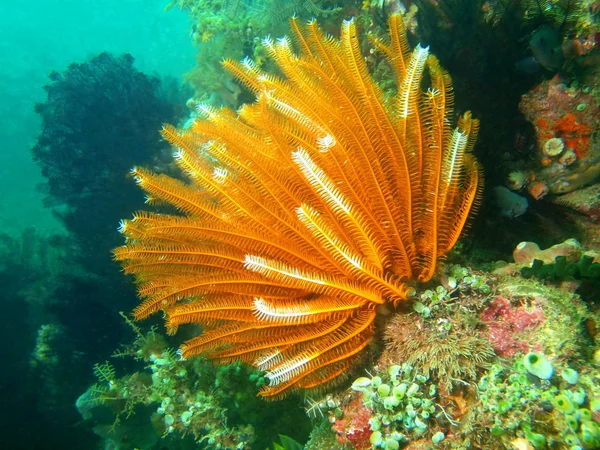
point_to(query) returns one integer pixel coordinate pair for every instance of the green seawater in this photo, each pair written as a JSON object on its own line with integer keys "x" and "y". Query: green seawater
{"x": 40, "y": 36}
{"x": 36, "y": 38}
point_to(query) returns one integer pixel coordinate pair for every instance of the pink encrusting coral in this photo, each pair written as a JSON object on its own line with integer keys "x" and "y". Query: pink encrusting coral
{"x": 354, "y": 428}
{"x": 509, "y": 327}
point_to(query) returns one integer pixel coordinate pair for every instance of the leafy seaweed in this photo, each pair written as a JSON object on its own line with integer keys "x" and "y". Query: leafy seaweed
{"x": 287, "y": 443}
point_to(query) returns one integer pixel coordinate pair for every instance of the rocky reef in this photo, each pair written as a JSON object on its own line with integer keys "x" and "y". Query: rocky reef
{"x": 488, "y": 355}
{"x": 525, "y": 375}
{"x": 566, "y": 124}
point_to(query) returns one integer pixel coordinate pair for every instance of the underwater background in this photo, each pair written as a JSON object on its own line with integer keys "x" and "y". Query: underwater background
{"x": 38, "y": 38}
{"x": 489, "y": 341}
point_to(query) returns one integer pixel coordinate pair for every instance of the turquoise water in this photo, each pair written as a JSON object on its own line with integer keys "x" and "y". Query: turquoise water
{"x": 38, "y": 37}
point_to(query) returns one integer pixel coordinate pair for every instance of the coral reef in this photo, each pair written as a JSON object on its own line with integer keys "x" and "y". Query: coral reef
{"x": 536, "y": 389}
{"x": 44, "y": 353}
{"x": 352, "y": 426}
{"x": 323, "y": 438}
{"x": 585, "y": 201}
{"x": 280, "y": 257}
{"x": 418, "y": 404}
{"x": 309, "y": 211}
{"x": 563, "y": 110}
{"x": 400, "y": 402}
{"x": 231, "y": 29}
{"x": 161, "y": 401}
{"x": 584, "y": 210}
{"x": 565, "y": 16}
{"x": 519, "y": 44}
{"x": 439, "y": 339}
{"x": 567, "y": 264}
{"x": 561, "y": 269}
{"x": 181, "y": 406}
{"x": 65, "y": 280}
{"x": 559, "y": 328}
{"x": 449, "y": 350}
{"x": 551, "y": 411}
{"x": 46, "y": 356}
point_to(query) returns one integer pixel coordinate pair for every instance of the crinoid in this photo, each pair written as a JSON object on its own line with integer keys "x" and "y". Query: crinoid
{"x": 306, "y": 210}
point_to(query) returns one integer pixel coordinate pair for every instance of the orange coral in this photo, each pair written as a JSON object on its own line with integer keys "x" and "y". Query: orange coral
{"x": 576, "y": 135}
{"x": 306, "y": 210}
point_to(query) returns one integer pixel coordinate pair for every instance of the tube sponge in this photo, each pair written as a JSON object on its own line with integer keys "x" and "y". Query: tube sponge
{"x": 570, "y": 376}
{"x": 537, "y": 364}
{"x": 564, "y": 404}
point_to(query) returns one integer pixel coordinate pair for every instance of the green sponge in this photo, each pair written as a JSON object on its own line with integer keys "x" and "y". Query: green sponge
{"x": 537, "y": 364}
{"x": 564, "y": 404}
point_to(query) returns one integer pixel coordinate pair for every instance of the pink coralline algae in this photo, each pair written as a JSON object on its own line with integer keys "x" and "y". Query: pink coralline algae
{"x": 354, "y": 428}
{"x": 509, "y": 327}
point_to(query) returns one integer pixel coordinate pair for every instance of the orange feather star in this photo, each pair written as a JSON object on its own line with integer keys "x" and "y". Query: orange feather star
{"x": 307, "y": 209}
